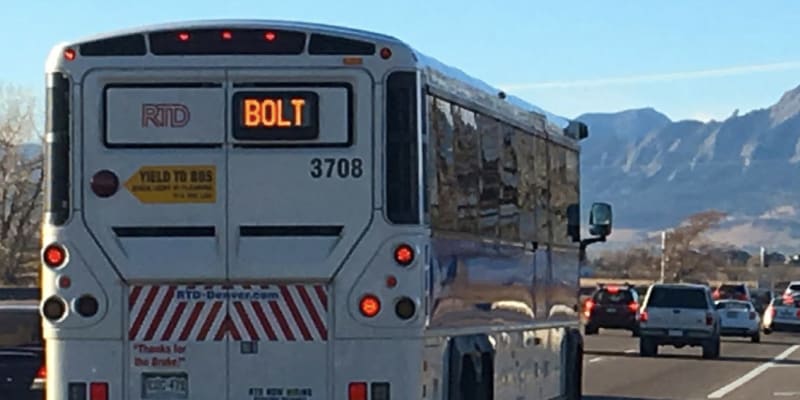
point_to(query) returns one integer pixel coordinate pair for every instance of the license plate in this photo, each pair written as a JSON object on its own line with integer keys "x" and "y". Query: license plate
{"x": 165, "y": 386}
{"x": 786, "y": 314}
{"x": 672, "y": 332}
{"x": 611, "y": 310}
{"x": 732, "y": 314}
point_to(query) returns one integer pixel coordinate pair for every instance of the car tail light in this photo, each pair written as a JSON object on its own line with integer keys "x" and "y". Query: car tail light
{"x": 613, "y": 289}
{"x": 709, "y": 318}
{"x": 588, "y": 307}
{"x": 643, "y": 316}
{"x": 772, "y": 312}
{"x": 797, "y": 314}
{"x": 357, "y": 391}
{"x": 42, "y": 372}
{"x": 633, "y": 306}
{"x": 715, "y": 295}
{"x": 752, "y": 315}
{"x": 98, "y": 391}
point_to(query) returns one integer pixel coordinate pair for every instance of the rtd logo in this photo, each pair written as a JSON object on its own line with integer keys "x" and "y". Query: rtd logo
{"x": 165, "y": 115}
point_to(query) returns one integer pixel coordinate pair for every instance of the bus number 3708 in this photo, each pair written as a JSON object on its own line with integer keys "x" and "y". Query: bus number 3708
{"x": 333, "y": 167}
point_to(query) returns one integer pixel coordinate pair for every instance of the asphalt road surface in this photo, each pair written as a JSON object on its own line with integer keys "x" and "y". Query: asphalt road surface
{"x": 769, "y": 370}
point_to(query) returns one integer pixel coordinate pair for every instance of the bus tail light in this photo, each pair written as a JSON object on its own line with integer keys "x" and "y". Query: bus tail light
{"x": 98, "y": 391}
{"x": 104, "y": 183}
{"x": 405, "y": 308}
{"x": 379, "y": 391}
{"x": 369, "y": 305}
{"x": 357, "y": 391}
{"x": 54, "y": 255}
{"x": 54, "y": 308}
{"x": 404, "y": 254}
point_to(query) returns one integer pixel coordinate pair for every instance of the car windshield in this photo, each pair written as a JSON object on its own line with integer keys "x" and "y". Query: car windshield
{"x": 20, "y": 327}
{"x": 677, "y": 298}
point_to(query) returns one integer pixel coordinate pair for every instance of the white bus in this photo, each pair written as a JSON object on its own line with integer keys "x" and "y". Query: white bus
{"x": 253, "y": 210}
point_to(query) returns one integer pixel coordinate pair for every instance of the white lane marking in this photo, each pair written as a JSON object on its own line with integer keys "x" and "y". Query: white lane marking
{"x": 785, "y": 394}
{"x": 596, "y": 359}
{"x": 752, "y": 374}
{"x": 631, "y": 351}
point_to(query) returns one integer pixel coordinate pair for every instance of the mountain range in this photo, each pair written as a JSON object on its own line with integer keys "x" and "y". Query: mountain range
{"x": 655, "y": 172}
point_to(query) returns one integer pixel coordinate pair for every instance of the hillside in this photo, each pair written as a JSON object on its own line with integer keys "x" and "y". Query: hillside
{"x": 656, "y": 171}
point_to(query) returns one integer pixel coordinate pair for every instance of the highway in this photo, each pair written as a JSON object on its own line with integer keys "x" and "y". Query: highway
{"x": 614, "y": 370}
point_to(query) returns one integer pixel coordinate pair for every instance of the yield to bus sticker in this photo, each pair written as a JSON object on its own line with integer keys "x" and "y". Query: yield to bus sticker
{"x": 174, "y": 184}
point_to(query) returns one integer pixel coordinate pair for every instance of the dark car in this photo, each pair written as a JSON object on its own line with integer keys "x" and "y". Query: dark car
{"x": 612, "y": 307}
{"x": 22, "y": 369}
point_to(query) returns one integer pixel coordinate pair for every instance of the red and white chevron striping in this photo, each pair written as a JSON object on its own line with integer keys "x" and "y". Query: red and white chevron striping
{"x": 197, "y": 313}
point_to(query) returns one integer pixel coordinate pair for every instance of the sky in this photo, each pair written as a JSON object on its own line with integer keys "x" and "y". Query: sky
{"x": 687, "y": 59}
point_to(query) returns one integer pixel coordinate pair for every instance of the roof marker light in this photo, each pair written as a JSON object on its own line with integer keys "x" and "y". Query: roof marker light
{"x": 269, "y": 36}
{"x": 227, "y": 35}
{"x": 69, "y": 54}
{"x": 183, "y": 36}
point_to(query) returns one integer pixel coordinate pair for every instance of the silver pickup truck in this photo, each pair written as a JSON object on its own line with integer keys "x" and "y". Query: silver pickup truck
{"x": 679, "y": 315}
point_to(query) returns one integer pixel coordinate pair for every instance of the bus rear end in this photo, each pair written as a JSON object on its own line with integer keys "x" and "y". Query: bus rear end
{"x": 214, "y": 225}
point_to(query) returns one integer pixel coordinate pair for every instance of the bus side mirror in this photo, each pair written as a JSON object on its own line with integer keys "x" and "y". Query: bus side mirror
{"x": 574, "y": 222}
{"x": 600, "y": 219}
{"x": 577, "y": 130}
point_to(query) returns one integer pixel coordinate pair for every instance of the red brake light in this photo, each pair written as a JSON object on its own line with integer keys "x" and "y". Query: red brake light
{"x": 643, "y": 316}
{"x": 613, "y": 289}
{"x": 588, "y": 307}
{"x": 357, "y": 391}
{"x": 269, "y": 36}
{"x": 404, "y": 254}
{"x": 709, "y": 319}
{"x": 54, "y": 255}
{"x": 633, "y": 306}
{"x": 183, "y": 36}
{"x": 98, "y": 391}
{"x": 227, "y": 35}
{"x": 42, "y": 372}
{"x": 369, "y": 306}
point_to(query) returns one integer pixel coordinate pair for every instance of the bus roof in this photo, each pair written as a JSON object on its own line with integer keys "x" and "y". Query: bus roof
{"x": 425, "y": 60}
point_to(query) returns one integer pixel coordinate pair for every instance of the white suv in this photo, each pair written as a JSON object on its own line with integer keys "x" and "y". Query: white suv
{"x": 679, "y": 315}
